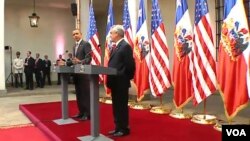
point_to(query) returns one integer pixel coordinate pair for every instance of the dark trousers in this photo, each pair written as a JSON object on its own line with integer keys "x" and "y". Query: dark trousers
{"x": 46, "y": 74}
{"x": 29, "y": 80}
{"x": 120, "y": 107}
{"x": 58, "y": 78}
{"x": 18, "y": 79}
{"x": 82, "y": 87}
{"x": 38, "y": 76}
{"x": 71, "y": 79}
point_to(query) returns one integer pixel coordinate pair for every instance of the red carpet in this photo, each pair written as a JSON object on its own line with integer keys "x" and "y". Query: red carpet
{"x": 144, "y": 125}
{"x": 23, "y": 133}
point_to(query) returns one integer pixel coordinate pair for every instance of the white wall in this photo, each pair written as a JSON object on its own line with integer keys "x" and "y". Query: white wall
{"x": 52, "y": 37}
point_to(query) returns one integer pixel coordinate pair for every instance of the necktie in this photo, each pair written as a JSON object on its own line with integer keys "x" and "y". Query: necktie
{"x": 113, "y": 48}
{"x": 76, "y": 47}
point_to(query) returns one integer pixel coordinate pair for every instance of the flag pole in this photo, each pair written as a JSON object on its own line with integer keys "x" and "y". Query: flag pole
{"x": 160, "y": 109}
{"x": 204, "y": 118}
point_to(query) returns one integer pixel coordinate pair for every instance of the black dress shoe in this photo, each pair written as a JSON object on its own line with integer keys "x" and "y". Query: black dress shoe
{"x": 112, "y": 132}
{"x": 120, "y": 134}
{"x": 77, "y": 116}
{"x": 84, "y": 118}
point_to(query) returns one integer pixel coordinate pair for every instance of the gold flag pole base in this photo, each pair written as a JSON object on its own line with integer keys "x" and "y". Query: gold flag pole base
{"x": 140, "y": 106}
{"x": 203, "y": 119}
{"x": 160, "y": 110}
{"x": 106, "y": 100}
{"x": 219, "y": 123}
{"x": 218, "y": 127}
{"x": 180, "y": 115}
{"x": 130, "y": 102}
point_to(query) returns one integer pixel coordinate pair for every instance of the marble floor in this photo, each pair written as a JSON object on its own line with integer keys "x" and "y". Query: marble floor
{"x": 12, "y": 116}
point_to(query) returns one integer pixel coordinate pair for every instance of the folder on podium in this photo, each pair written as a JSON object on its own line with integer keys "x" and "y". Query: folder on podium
{"x": 93, "y": 71}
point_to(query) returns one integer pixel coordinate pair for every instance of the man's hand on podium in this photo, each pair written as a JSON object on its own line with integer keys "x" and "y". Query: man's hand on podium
{"x": 76, "y": 61}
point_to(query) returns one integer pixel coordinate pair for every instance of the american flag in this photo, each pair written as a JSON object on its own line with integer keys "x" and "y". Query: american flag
{"x": 234, "y": 59}
{"x": 141, "y": 54}
{"x": 108, "y": 43}
{"x": 93, "y": 39}
{"x": 127, "y": 25}
{"x": 159, "y": 76}
{"x": 182, "y": 66}
{"x": 204, "y": 54}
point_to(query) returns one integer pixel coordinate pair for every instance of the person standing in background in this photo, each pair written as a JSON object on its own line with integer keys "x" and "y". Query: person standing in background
{"x": 121, "y": 58}
{"x": 58, "y": 61}
{"x": 38, "y": 69}
{"x": 46, "y": 70}
{"x": 18, "y": 70}
{"x": 29, "y": 65}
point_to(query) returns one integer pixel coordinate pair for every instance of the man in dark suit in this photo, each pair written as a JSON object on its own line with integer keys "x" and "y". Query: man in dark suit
{"x": 46, "y": 69}
{"x": 38, "y": 71}
{"x": 82, "y": 55}
{"x": 29, "y": 65}
{"x": 121, "y": 58}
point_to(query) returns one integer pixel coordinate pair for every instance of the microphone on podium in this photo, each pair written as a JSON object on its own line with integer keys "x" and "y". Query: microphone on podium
{"x": 92, "y": 50}
{"x": 66, "y": 51}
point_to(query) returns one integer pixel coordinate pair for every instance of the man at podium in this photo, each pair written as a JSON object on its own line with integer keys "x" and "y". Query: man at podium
{"x": 121, "y": 58}
{"x": 82, "y": 55}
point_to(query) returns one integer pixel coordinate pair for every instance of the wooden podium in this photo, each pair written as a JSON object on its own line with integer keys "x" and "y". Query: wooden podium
{"x": 93, "y": 72}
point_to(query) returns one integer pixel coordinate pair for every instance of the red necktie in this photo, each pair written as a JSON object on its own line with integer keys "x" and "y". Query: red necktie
{"x": 113, "y": 48}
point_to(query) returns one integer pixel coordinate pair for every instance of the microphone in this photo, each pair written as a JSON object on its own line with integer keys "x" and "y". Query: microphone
{"x": 92, "y": 50}
{"x": 66, "y": 51}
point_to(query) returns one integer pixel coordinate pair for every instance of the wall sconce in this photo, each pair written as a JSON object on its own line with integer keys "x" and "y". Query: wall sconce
{"x": 34, "y": 17}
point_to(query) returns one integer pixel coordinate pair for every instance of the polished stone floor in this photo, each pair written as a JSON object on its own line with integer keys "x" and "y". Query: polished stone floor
{"x": 12, "y": 116}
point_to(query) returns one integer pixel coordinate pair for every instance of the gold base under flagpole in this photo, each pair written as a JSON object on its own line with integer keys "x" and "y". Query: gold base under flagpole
{"x": 203, "y": 119}
{"x": 180, "y": 114}
{"x": 160, "y": 110}
{"x": 130, "y": 102}
{"x": 106, "y": 100}
{"x": 219, "y": 123}
{"x": 140, "y": 106}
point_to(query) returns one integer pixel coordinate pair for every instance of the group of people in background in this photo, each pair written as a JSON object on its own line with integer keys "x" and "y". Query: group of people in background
{"x": 40, "y": 67}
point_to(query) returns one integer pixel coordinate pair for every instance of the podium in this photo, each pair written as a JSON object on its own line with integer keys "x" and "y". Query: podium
{"x": 65, "y": 71}
{"x": 93, "y": 71}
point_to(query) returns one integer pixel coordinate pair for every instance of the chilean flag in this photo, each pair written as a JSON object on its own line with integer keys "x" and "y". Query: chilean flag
{"x": 233, "y": 64}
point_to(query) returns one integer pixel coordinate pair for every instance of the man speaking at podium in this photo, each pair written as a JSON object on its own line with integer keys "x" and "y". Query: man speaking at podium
{"x": 121, "y": 58}
{"x": 82, "y": 55}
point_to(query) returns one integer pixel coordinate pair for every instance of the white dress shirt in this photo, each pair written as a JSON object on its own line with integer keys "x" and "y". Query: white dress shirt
{"x": 18, "y": 65}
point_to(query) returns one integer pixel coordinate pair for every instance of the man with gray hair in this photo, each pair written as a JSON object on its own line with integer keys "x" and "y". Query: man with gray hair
{"x": 121, "y": 58}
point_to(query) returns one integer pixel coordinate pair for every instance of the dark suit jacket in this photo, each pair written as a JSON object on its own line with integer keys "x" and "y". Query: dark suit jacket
{"x": 38, "y": 65}
{"x": 31, "y": 65}
{"x": 121, "y": 59}
{"x": 46, "y": 65}
{"x": 83, "y": 53}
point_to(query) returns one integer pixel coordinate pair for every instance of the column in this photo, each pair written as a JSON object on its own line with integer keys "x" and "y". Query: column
{"x": 2, "y": 69}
